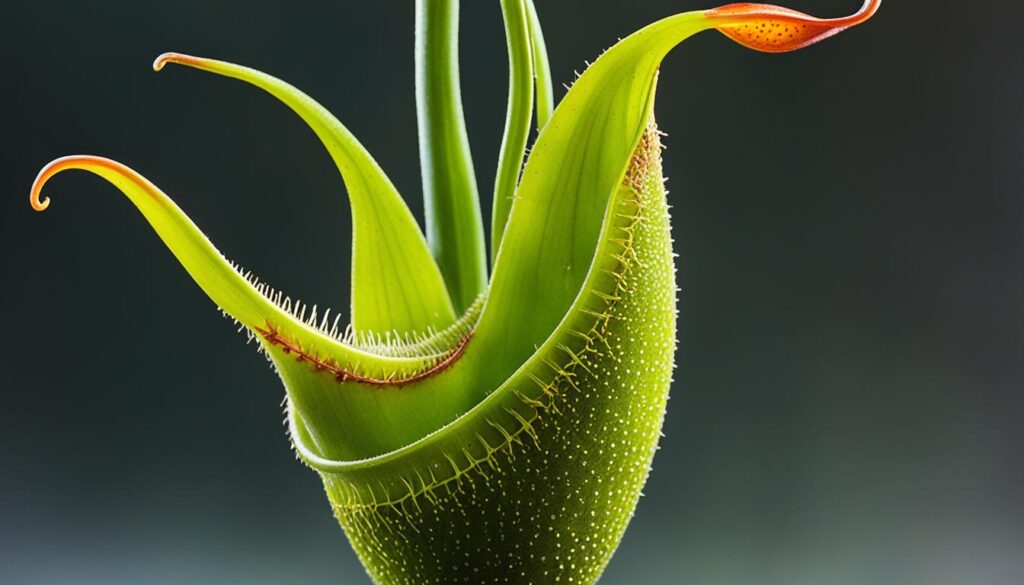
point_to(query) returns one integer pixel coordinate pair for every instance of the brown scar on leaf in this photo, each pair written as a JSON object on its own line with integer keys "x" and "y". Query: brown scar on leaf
{"x": 340, "y": 374}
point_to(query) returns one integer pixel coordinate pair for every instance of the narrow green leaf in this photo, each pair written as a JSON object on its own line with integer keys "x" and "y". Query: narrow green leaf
{"x": 454, "y": 225}
{"x": 396, "y": 285}
{"x": 254, "y": 305}
{"x": 517, "y": 117}
{"x": 541, "y": 68}
{"x": 569, "y": 185}
{"x": 342, "y": 381}
{"x": 573, "y": 170}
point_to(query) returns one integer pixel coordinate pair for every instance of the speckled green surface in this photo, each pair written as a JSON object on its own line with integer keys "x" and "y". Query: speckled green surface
{"x": 538, "y": 483}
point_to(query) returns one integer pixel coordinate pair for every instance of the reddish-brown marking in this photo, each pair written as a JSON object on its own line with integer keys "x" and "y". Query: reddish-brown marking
{"x": 342, "y": 375}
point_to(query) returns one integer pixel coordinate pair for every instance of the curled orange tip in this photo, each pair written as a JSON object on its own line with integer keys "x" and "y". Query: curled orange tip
{"x": 166, "y": 58}
{"x": 774, "y": 29}
{"x": 36, "y": 198}
{"x": 83, "y": 162}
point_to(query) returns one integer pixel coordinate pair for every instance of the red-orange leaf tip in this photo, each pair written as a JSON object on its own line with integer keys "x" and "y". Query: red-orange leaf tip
{"x": 109, "y": 169}
{"x": 36, "y": 198}
{"x": 166, "y": 58}
{"x": 773, "y": 29}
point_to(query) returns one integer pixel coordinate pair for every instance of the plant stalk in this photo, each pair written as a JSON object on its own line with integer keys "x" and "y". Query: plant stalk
{"x": 541, "y": 69}
{"x": 454, "y": 224}
{"x": 517, "y": 117}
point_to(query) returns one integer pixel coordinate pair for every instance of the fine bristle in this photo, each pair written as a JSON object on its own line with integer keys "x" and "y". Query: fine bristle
{"x": 384, "y": 343}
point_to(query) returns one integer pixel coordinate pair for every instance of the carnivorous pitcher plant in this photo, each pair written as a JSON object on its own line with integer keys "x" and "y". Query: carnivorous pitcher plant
{"x": 475, "y": 426}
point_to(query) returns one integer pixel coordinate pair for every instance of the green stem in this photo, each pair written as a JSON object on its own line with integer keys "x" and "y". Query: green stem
{"x": 454, "y": 225}
{"x": 541, "y": 69}
{"x": 517, "y": 117}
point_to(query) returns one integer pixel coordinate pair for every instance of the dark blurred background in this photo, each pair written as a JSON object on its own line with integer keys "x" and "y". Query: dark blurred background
{"x": 848, "y": 401}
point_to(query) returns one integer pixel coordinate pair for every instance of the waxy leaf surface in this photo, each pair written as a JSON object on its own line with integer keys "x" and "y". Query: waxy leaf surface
{"x": 396, "y": 285}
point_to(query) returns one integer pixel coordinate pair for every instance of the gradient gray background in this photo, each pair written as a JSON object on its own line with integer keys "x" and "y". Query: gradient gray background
{"x": 849, "y": 219}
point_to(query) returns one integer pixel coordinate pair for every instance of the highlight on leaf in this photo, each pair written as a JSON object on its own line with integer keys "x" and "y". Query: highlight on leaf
{"x": 465, "y": 424}
{"x": 396, "y": 285}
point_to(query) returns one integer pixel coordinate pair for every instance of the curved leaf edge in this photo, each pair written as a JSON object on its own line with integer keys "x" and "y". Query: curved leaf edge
{"x": 396, "y": 285}
{"x": 254, "y": 305}
{"x": 504, "y": 418}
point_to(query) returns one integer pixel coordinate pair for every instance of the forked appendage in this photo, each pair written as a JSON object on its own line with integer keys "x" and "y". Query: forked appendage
{"x": 774, "y": 29}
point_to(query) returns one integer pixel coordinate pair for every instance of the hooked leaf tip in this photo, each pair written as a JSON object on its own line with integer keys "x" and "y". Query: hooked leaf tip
{"x": 774, "y": 29}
